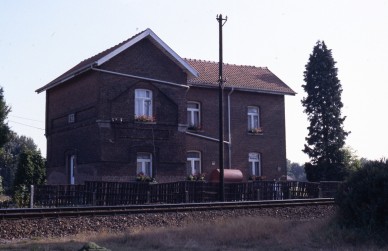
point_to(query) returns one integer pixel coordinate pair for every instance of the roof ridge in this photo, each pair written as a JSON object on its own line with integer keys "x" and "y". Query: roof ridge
{"x": 200, "y": 60}
{"x": 238, "y": 65}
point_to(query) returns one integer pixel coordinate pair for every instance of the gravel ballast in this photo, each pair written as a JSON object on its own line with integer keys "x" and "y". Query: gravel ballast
{"x": 68, "y": 226}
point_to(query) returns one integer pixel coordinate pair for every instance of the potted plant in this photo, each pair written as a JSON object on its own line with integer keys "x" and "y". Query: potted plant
{"x": 141, "y": 177}
{"x": 196, "y": 177}
{"x": 257, "y": 130}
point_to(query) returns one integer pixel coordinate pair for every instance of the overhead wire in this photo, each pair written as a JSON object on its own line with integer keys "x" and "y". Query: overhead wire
{"x": 26, "y": 125}
{"x": 26, "y": 118}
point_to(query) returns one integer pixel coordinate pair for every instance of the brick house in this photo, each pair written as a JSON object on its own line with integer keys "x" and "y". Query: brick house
{"x": 140, "y": 107}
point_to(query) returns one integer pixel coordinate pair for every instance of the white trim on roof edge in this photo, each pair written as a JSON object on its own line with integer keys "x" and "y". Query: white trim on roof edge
{"x": 245, "y": 89}
{"x": 148, "y": 32}
{"x": 138, "y": 38}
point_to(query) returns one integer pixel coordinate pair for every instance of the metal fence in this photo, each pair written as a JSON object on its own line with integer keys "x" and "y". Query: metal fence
{"x": 121, "y": 193}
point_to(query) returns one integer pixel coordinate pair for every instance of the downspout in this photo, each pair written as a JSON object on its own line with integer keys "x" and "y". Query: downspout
{"x": 183, "y": 127}
{"x": 229, "y": 130}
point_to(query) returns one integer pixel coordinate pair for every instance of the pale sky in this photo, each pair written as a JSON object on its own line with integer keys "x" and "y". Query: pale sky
{"x": 39, "y": 40}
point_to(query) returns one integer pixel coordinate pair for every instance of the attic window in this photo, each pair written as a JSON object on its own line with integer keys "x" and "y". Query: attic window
{"x": 71, "y": 118}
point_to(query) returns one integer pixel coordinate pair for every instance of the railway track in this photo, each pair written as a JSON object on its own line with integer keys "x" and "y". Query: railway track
{"x": 26, "y": 213}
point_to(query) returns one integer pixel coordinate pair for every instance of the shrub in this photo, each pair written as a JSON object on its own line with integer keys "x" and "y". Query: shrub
{"x": 196, "y": 177}
{"x": 22, "y": 196}
{"x": 141, "y": 177}
{"x": 1, "y": 186}
{"x": 363, "y": 199}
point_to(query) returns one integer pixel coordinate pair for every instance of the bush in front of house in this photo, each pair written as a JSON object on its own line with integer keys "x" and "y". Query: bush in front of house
{"x": 363, "y": 199}
{"x": 1, "y": 186}
{"x": 21, "y": 196}
{"x": 196, "y": 177}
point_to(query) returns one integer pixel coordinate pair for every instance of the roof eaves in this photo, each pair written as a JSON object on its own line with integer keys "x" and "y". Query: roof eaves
{"x": 69, "y": 76}
{"x": 291, "y": 93}
{"x": 267, "y": 91}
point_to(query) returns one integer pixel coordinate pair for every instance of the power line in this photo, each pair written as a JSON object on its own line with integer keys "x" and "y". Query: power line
{"x": 25, "y": 118}
{"x": 26, "y": 125}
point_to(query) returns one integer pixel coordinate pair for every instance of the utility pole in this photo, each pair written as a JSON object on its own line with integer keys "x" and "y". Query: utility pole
{"x": 221, "y": 22}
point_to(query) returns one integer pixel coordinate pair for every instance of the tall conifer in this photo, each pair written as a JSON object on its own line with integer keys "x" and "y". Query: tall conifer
{"x": 4, "y": 128}
{"x": 323, "y": 104}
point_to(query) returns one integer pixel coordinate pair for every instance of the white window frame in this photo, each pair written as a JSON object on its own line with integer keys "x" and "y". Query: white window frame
{"x": 252, "y": 122}
{"x": 191, "y": 114}
{"x": 141, "y": 163}
{"x": 143, "y": 102}
{"x": 254, "y": 158}
{"x": 192, "y": 161}
{"x": 71, "y": 118}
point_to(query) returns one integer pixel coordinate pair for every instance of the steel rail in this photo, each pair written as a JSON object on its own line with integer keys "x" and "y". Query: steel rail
{"x": 23, "y": 213}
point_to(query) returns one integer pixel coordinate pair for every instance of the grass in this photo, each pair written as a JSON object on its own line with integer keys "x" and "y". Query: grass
{"x": 246, "y": 233}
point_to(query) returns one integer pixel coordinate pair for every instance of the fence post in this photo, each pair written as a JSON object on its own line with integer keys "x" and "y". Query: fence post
{"x": 148, "y": 197}
{"x": 32, "y": 197}
{"x": 94, "y": 198}
{"x": 187, "y": 196}
{"x": 320, "y": 195}
{"x": 258, "y": 194}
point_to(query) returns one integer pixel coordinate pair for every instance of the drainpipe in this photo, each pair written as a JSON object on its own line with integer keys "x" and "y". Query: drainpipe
{"x": 229, "y": 130}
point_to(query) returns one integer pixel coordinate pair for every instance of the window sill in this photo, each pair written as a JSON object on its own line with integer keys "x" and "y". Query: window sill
{"x": 193, "y": 130}
{"x": 255, "y": 134}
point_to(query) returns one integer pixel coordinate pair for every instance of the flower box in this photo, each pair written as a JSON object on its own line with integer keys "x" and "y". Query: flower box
{"x": 257, "y": 130}
{"x": 144, "y": 118}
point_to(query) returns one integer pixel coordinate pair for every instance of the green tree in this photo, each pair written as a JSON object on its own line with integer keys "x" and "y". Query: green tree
{"x": 296, "y": 171}
{"x": 323, "y": 104}
{"x": 9, "y": 156}
{"x": 4, "y": 128}
{"x": 351, "y": 160}
{"x": 363, "y": 200}
{"x": 31, "y": 169}
{"x": 1, "y": 185}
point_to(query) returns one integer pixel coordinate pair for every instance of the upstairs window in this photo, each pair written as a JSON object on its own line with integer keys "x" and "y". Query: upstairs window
{"x": 193, "y": 163}
{"x": 71, "y": 118}
{"x": 253, "y": 119}
{"x": 193, "y": 116}
{"x": 144, "y": 164}
{"x": 143, "y": 104}
{"x": 254, "y": 160}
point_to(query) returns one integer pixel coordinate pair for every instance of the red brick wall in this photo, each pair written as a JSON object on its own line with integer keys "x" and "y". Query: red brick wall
{"x": 270, "y": 144}
{"x": 106, "y": 149}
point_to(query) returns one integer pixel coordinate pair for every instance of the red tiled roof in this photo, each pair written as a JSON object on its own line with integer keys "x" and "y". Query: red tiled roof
{"x": 248, "y": 78}
{"x": 243, "y": 77}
